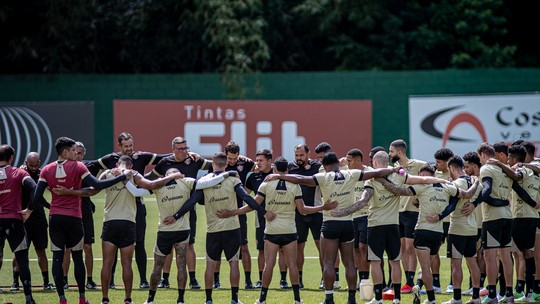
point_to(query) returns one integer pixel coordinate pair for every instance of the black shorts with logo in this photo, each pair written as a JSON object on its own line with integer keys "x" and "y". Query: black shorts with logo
{"x": 427, "y": 239}
{"x": 166, "y": 239}
{"x": 497, "y": 234}
{"x": 524, "y": 232}
{"x": 120, "y": 233}
{"x": 66, "y": 232}
{"x": 13, "y": 231}
{"x": 384, "y": 238}
{"x": 223, "y": 241}
{"x": 341, "y": 230}
{"x": 462, "y": 246}
{"x": 360, "y": 231}
{"x": 281, "y": 239}
{"x": 407, "y": 222}
{"x": 305, "y": 223}
{"x": 36, "y": 232}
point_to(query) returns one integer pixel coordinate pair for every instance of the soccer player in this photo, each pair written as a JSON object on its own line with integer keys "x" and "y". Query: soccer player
{"x": 65, "y": 224}
{"x": 182, "y": 160}
{"x": 87, "y": 208}
{"x": 354, "y": 161}
{"x": 35, "y": 226}
{"x": 170, "y": 198}
{"x": 441, "y": 158}
{"x": 305, "y": 166}
{"x": 525, "y": 216}
{"x": 408, "y": 214}
{"x": 337, "y": 233}
{"x": 263, "y": 159}
{"x": 462, "y": 235}
{"x": 13, "y": 181}
{"x": 140, "y": 161}
{"x": 282, "y": 198}
{"x": 383, "y": 219}
{"x": 433, "y": 199}
{"x": 497, "y": 222}
{"x": 222, "y": 235}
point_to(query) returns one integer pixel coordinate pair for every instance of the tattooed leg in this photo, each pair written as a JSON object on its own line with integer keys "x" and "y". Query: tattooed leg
{"x": 181, "y": 251}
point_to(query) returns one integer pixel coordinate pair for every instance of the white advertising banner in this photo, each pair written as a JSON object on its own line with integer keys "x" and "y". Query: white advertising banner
{"x": 462, "y": 123}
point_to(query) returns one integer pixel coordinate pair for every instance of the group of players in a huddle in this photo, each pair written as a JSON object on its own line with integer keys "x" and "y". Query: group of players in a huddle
{"x": 404, "y": 207}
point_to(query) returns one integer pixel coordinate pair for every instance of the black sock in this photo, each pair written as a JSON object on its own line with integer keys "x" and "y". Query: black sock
{"x": 192, "y": 276}
{"x": 457, "y": 293}
{"x": 260, "y": 276}
{"x": 329, "y": 298}
{"x": 509, "y": 292}
{"x": 208, "y": 294}
{"x": 337, "y": 274}
{"x": 24, "y": 271}
{"x": 151, "y": 295}
{"x": 296, "y": 292}
{"x": 410, "y": 278}
{"x": 166, "y": 276}
{"x": 419, "y": 282}
{"x": 536, "y": 286}
{"x": 58, "y": 272}
{"x": 15, "y": 277}
{"x": 283, "y": 275}
{"x": 475, "y": 293}
{"x": 105, "y": 300}
{"x": 352, "y": 294}
{"x": 216, "y": 277}
{"x": 127, "y": 300}
{"x": 234, "y": 293}
{"x": 492, "y": 291}
{"x": 80, "y": 270}
{"x": 45, "y": 275}
{"x": 436, "y": 280}
{"x": 482, "y": 279}
{"x": 530, "y": 269}
{"x": 88, "y": 279}
{"x": 262, "y": 296}
{"x": 65, "y": 279}
{"x": 520, "y": 285}
{"x": 431, "y": 295}
{"x": 397, "y": 290}
{"x": 140, "y": 259}
{"x": 248, "y": 276}
{"x": 364, "y": 275}
{"x": 180, "y": 295}
{"x": 377, "y": 288}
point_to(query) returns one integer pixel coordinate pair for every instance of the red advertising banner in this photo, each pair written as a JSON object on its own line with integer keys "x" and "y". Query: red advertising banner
{"x": 254, "y": 125}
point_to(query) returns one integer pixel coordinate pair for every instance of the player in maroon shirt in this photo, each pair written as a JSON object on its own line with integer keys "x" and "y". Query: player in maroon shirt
{"x": 65, "y": 224}
{"x": 12, "y": 183}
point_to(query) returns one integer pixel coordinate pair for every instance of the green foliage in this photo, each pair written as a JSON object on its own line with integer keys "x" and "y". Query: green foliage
{"x": 240, "y": 37}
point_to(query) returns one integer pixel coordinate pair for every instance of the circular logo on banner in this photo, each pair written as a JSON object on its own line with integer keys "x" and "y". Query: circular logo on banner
{"x": 26, "y": 131}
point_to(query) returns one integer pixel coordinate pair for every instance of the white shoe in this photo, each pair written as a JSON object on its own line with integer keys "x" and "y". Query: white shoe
{"x": 337, "y": 285}
{"x": 416, "y": 294}
{"x": 525, "y": 299}
{"x": 395, "y": 301}
{"x": 373, "y": 301}
{"x": 257, "y": 302}
{"x": 474, "y": 301}
{"x": 467, "y": 292}
{"x": 146, "y": 302}
{"x": 426, "y": 301}
{"x": 437, "y": 290}
{"x": 453, "y": 301}
{"x": 450, "y": 289}
{"x": 296, "y": 302}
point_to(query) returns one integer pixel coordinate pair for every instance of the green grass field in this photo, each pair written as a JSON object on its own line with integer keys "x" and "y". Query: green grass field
{"x": 310, "y": 294}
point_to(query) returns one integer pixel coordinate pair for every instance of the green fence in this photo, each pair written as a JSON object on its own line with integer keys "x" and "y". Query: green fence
{"x": 389, "y": 91}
